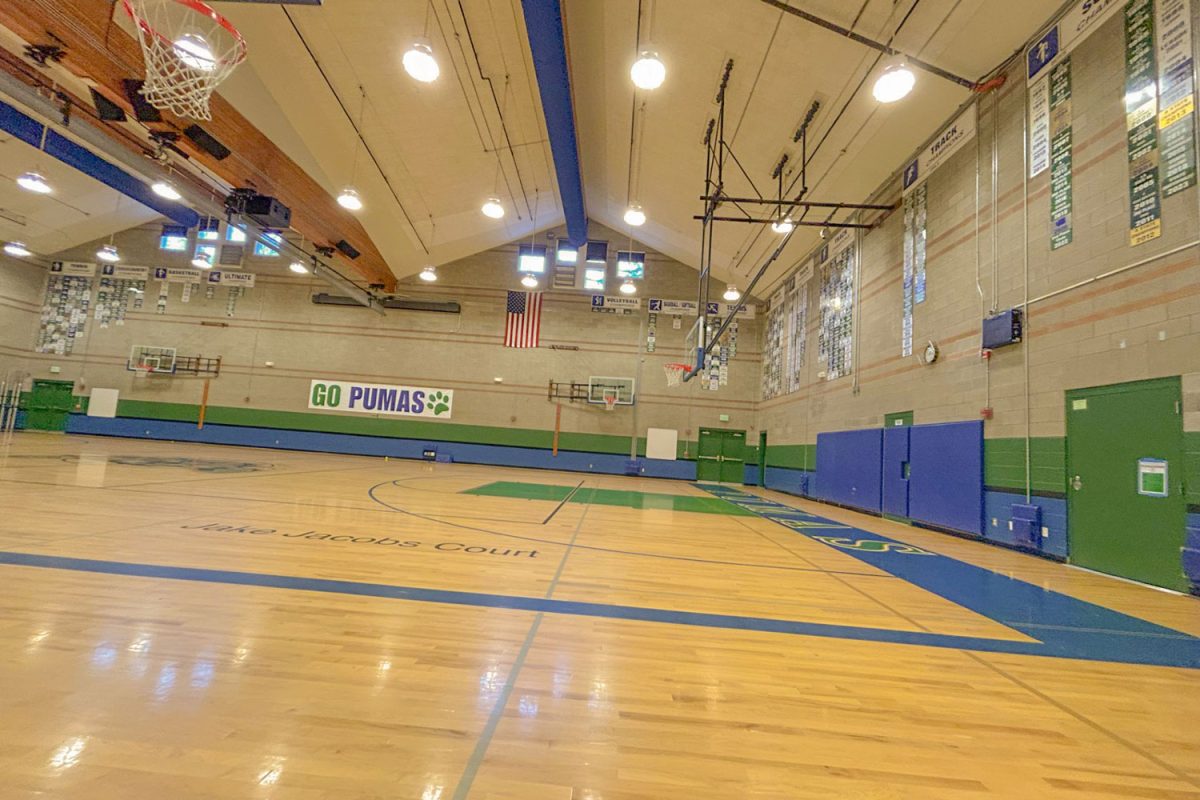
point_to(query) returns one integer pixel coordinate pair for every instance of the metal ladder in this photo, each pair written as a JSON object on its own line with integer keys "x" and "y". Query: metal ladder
{"x": 11, "y": 386}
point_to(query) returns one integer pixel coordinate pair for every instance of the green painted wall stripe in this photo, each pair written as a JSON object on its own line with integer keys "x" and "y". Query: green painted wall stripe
{"x": 1004, "y": 463}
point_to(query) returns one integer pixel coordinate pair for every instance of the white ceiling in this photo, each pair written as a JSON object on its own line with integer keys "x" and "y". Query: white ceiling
{"x": 81, "y": 209}
{"x": 432, "y": 141}
{"x": 781, "y": 64}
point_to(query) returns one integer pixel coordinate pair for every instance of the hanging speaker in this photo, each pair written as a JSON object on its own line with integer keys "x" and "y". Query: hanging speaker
{"x": 141, "y": 109}
{"x": 206, "y": 142}
{"x": 107, "y": 109}
{"x": 347, "y": 249}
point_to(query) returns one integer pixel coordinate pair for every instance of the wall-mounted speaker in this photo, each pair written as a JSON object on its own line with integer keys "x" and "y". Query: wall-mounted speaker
{"x": 107, "y": 109}
{"x": 141, "y": 109}
{"x": 206, "y": 142}
{"x": 347, "y": 249}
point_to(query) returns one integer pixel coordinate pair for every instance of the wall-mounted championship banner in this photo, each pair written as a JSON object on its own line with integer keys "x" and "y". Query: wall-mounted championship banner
{"x": 125, "y": 272}
{"x": 178, "y": 275}
{"x": 1141, "y": 122}
{"x": 1060, "y": 154}
{"x": 1062, "y": 37}
{"x": 73, "y": 269}
{"x": 947, "y": 143}
{"x": 232, "y": 278}
{"x": 374, "y": 398}
{"x": 1177, "y": 96}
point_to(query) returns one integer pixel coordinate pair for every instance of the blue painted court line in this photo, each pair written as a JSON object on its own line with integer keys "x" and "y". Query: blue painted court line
{"x": 1065, "y": 626}
{"x": 1179, "y": 651}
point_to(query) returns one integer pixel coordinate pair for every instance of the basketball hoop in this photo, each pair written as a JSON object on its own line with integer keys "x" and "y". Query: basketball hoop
{"x": 675, "y": 373}
{"x": 610, "y": 402}
{"x": 188, "y": 50}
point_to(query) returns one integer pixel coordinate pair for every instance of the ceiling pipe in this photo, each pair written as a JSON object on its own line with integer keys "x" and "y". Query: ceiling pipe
{"x": 547, "y": 44}
{"x": 887, "y": 49}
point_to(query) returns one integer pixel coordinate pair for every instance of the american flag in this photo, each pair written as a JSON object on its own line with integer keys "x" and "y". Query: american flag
{"x": 523, "y": 321}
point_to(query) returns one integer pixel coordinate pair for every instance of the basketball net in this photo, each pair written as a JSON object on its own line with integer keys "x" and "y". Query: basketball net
{"x": 188, "y": 50}
{"x": 610, "y": 402}
{"x": 675, "y": 373}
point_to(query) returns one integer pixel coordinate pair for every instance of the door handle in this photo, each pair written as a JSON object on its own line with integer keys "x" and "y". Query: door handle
{"x": 1077, "y": 483}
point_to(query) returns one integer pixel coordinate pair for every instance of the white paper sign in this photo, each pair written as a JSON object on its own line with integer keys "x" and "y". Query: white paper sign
{"x": 1039, "y": 127}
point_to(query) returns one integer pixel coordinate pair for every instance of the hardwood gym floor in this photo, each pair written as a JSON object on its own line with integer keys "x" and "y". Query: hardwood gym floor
{"x": 191, "y": 621}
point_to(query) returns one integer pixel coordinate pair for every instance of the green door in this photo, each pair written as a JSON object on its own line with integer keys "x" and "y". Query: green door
{"x": 1119, "y": 439}
{"x": 898, "y": 419}
{"x": 708, "y": 455}
{"x": 762, "y": 459}
{"x": 733, "y": 457}
{"x": 49, "y": 404}
{"x": 721, "y": 457}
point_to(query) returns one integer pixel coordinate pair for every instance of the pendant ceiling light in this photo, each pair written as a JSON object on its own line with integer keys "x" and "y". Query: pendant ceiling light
{"x": 17, "y": 249}
{"x": 108, "y": 253}
{"x": 34, "y": 182}
{"x": 634, "y": 215}
{"x": 896, "y": 81}
{"x": 429, "y": 274}
{"x": 419, "y": 62}
{"x": 648, "y": 72}
{"x": 628, "y": 287}
{"x": 732, "y": 295}
{"x": 493, "y": 208}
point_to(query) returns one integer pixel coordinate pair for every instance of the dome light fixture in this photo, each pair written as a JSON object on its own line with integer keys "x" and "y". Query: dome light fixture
{"x": 350, "y": 200}
{"x": 783, "y": 225}
{"x": 166, "y": 190}
{"x": 896, "y": 81}
{"x": 529, "y": 281}
{"x": 201, "y": 262}
{"x": 298, "y": 267}
{"x": 732, "y": 295}
{"x": 493, "y": 208}
{"x": 648, "y": 72}
{"x": 108, "y": 253}
{"x": 628, "y": 287}
{"x": 428, "y": 274}
{"x": 34, "y": 182}
{"x": 634, "y": 215}
{"x": 17, "y": 249}
{"x": 194, "y": 51}
{"x": 419, "y": 62}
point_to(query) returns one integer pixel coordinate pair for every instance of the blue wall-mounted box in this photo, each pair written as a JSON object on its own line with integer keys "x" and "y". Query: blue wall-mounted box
{"x": 1002, "y": 329}
{"x": 1027, "y": 525}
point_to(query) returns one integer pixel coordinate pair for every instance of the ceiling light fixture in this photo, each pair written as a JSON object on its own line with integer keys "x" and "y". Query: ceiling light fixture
{"x": 628, "y": 287}
{"x": 493, "y": 208}
{"x": 896, "y": 81}
{"x": 34, "y": 182}
{"x": 195, "y": 52}
{"x": 166, "y": 190}
{"x": 648, "y": 72}
{"x": 429, "y": 274}
{"x": 298, "y": 267}
{"x": 783, "y": 225}
{"x": 201, "y": 262}
{"x": 419, "y": 62}
{"x": 732, "y": 295}
{"x": 634, "y": 215}
{"x": 17, "y": 249}
{"x": 108, "y": 253}
{"x": 350, "y": 200}
{"x": 529, "y": 281}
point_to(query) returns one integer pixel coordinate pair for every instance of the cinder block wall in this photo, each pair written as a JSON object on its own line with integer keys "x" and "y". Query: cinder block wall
{"x": 1142, "y": 323}
{"x": 22, "y": 285}
{"x": 277, "y": 322}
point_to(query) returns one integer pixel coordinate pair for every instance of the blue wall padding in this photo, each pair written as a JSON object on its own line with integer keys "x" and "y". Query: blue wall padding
{"x": 848, "y": 468}
{"x": 29, "y": 130}
{"x": 945, "y": 486}
{"x": 895, "y": 483}
{"x": 548, "y": 47}
{"x": 1191, "y": 551}
{"x": 318, "y": 442}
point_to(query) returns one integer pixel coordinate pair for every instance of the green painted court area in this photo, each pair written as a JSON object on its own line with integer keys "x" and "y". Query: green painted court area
{"x": 609, "y": 497}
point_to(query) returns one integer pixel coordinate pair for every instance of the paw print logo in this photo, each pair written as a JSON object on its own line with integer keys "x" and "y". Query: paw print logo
{"x": 440, "y": 403}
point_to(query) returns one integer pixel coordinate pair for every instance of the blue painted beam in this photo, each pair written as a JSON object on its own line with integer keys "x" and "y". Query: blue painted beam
{"x": 29, "y": 130}
{"x": 543, "y": 21}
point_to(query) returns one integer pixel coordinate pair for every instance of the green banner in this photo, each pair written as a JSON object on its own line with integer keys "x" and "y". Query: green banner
{"x": 1141, "y": 122}
{"x": 1177, "y": 98}
{"x": 1060, "y": 154}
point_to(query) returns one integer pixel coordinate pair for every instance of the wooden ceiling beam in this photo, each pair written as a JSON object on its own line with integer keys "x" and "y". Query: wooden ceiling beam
{"x": 99, "y": 50}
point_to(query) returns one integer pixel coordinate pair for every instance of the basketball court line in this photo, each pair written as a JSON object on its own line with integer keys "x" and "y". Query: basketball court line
{"x": 1184, "y": 651}
{"x": 372, "y": 494}
{"x": 489, "y": 729}
{"x": 562, "y": 503}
